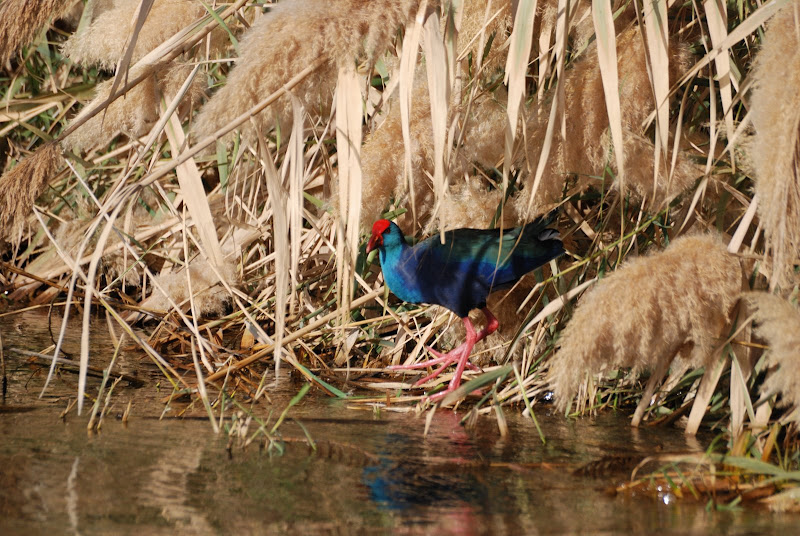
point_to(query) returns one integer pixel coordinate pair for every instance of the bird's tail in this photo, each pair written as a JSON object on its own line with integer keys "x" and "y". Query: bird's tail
{"x": 549, "y": 234}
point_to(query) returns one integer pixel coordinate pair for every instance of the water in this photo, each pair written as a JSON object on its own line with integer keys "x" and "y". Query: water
{"x": 372, "y": 473}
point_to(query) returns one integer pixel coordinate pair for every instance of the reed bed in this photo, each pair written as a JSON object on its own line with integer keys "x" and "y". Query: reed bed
{"x": 204, "y": 175}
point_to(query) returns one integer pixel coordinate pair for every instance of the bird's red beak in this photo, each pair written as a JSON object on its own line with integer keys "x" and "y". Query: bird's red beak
{"x": 374, "y": 241}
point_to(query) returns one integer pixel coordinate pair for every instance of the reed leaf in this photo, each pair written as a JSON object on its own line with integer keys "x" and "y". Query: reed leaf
{"x": 607, "y": 56}
{"x": 348, "y": 150}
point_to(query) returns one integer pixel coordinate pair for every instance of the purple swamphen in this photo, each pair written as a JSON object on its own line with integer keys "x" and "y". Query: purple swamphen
{"x": 460, "y": 273}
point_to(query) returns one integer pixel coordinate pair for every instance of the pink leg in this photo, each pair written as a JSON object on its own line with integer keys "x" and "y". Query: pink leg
{"x": 458, "y": 355}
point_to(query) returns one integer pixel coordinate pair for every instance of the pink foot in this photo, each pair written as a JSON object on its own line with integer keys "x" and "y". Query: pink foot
{"x": 459, "y": 355}
{"x": 444, "y": 360}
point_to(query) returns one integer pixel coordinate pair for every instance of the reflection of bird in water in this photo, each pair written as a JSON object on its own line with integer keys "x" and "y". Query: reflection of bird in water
{"x": 434, "y": 477}
{"x": 398, "y": 483}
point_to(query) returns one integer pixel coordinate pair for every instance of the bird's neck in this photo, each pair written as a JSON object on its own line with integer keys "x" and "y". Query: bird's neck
{"x": 392, "y": 254}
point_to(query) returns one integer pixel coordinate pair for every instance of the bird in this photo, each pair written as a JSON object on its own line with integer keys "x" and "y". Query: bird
{"x": 459, "y": 274}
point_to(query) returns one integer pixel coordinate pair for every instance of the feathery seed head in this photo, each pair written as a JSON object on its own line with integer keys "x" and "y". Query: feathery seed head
{"x": 104, "y": 41}
{"x": 661, "y": 302}
{"x": 293, "y": 35}
{"x": 776, "y": 145}
{"x": 777, "y": 321}
{"x": 20, "y": 186}
{"x": 22, "y": 20}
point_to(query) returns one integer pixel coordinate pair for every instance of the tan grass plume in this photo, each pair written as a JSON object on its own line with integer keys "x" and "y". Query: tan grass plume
{"x": 474, "y": 22}
{"x": 777, "y": 321}
{"x": 776, "y": 146}
{"x": 210, "y": 298}
{"x": 469, "y": 201}
{"x": 291, "y": 36}
{"x": 21, "y": 20}
{"x": 104, "y": 41}
{"x": 20, "y": 186}
{"x": 643, "y": 314}
{"x": 586, "y": 149}
{"x": 382, "y": 159}
{"x": 135, "y": 112}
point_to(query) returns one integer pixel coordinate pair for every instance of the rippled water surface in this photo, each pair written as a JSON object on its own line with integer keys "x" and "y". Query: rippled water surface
{"x": 370, "y": 473}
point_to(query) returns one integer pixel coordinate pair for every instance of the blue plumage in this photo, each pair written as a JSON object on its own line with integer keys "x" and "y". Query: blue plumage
{"x": 471, "y": 263}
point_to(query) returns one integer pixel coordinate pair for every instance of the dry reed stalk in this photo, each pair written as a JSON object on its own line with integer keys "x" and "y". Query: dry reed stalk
{"x": 653, "y": 307}
{"x": 776, "y": 146}
{"x": 293, "y": 35}
{"x": 348, "y": 151}
{"x": 21, "y": 20}
{"x": 104, "y": 41}
{"x": 20, "y": 186}
{"x": 777, "y": 321}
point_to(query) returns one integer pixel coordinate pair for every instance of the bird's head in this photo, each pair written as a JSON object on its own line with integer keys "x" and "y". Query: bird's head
{"x": 384, "y": 234}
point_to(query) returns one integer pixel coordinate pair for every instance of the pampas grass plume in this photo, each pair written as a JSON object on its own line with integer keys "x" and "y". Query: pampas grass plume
{"x": 104, "y": 41}
{"x": 586, "y": 149}
{"x": 647, "y": 310}
{"x": 21, "y": 20}
{"x": 209, "y": 296}
{"x": 20, "y": 186}
{"x": 293, "y": 35}
{"x": 778, "y": 323}
{"x": 136, "y": 111}
{"x": 382, "y": 159}
{"x": 776, "y": 145}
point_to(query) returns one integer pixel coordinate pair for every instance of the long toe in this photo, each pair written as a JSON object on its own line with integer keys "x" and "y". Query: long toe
{"x": 429, "y": 377}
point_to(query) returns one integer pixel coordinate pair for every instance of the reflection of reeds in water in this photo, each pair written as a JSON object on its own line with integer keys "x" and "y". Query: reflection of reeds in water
{"x": 777, "y": 321}
{"x": 776, "y": 147}
{"x": 641, "y": 316}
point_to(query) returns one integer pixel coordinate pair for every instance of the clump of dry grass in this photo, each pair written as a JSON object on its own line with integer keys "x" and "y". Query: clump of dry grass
{"x": 778, "y": 323}
{"x": 291, "y": 36}
{"x": 210, "y": 298}
{"x": 21, "y": 20}
{"x": 474, "y": 23}
{"x": 776, "y": 146}
{"x": 382, "y": 160}
{"x": 20, "y": 186}
{"x": 104, "y": 41}
{"x": 586, "y": 150}
{"x": 119, "y": 266}
{"x": 647, "y": 311}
